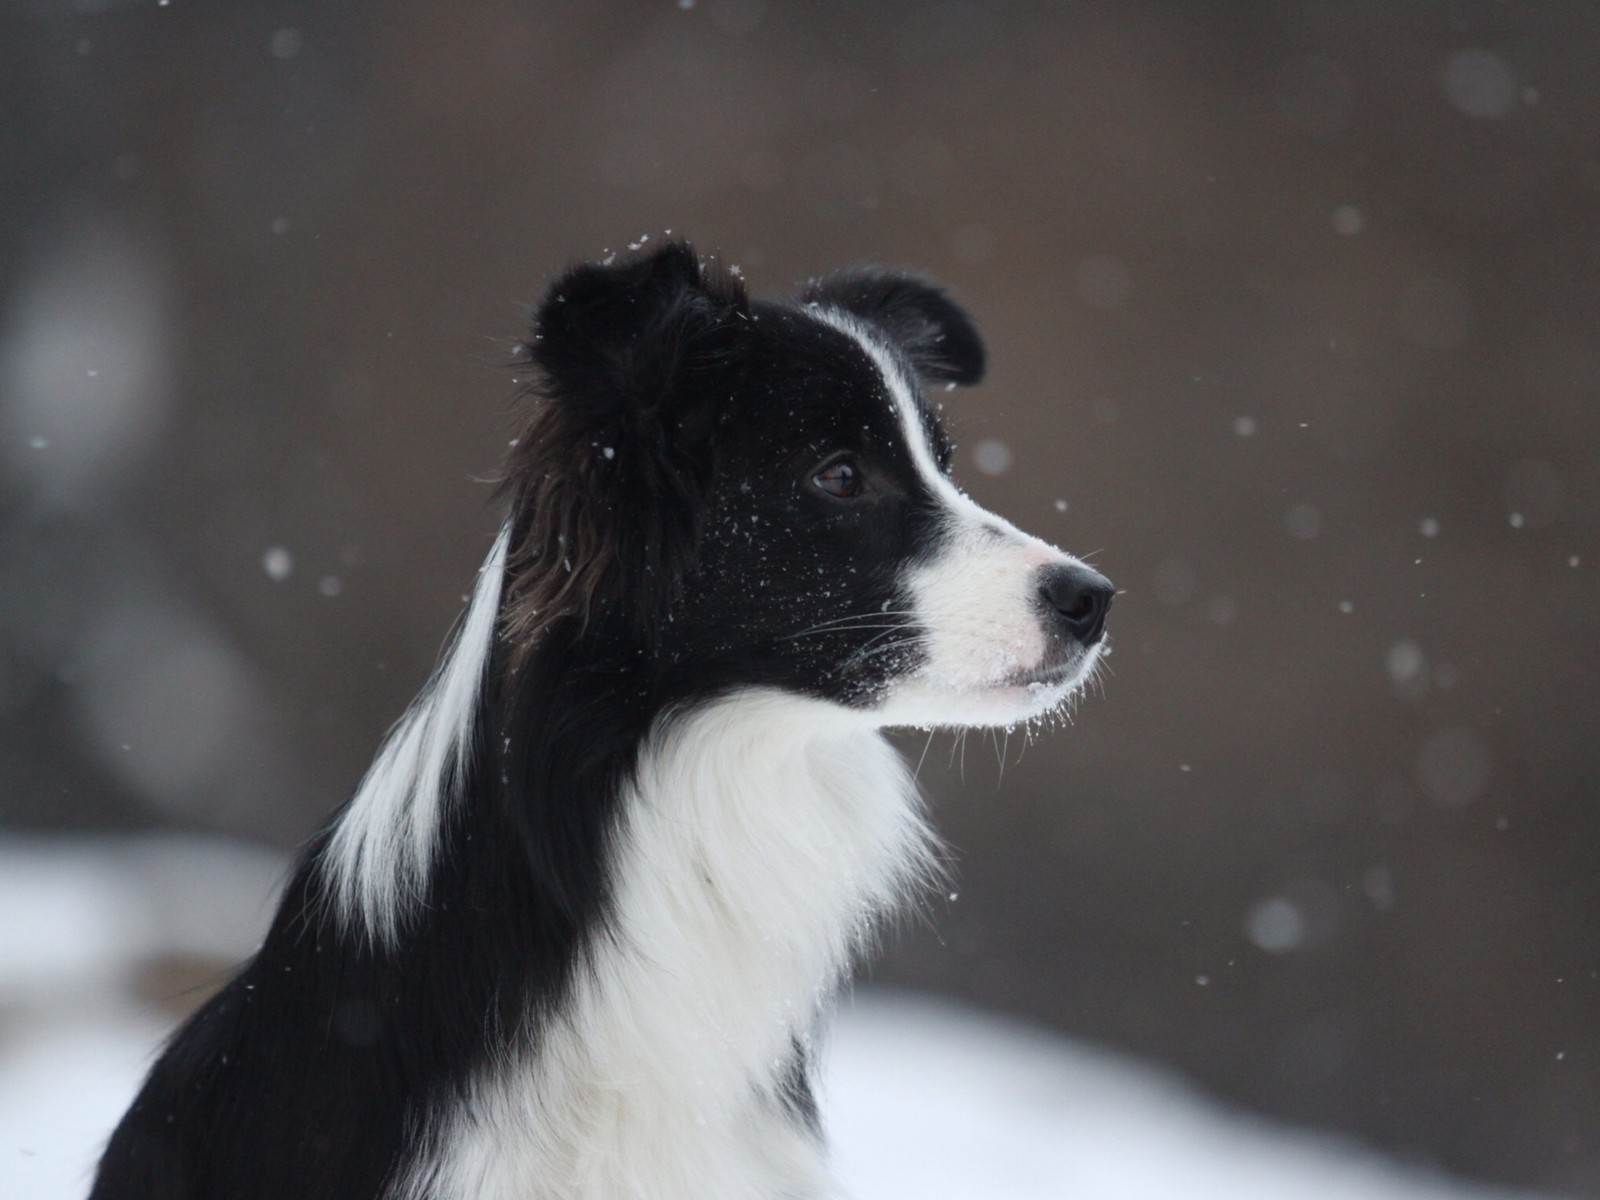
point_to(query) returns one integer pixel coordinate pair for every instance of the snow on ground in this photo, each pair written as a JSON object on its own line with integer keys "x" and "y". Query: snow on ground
{"x": 930, "y": 1101}
{"x": 63, "y": 1085}
{"x": 924, "y": 1100}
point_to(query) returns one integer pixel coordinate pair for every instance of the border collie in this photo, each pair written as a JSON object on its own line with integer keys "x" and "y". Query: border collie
{"x": 574, "y": 934}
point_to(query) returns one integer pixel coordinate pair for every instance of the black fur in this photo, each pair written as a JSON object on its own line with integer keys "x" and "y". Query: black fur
{"x": 933, "y": 331}
{"x": 667, "y": 546}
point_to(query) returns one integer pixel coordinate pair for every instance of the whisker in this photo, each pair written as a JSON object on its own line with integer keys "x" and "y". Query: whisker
{"x": 960, "y": 745}
{"x": 838, "y": 628}
{"x": 861, "y": 656}
{"x": 889, "y": 629}
{"x": 852, "y": 620}
{"x": 876, "y": 645}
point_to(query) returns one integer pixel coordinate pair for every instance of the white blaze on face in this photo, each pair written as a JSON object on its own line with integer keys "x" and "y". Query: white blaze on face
{"x": 977, "y": 598}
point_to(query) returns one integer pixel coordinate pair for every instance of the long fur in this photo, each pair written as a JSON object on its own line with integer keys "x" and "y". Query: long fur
{"x": 575, "y": 933}
{"x": 382, "y": 848}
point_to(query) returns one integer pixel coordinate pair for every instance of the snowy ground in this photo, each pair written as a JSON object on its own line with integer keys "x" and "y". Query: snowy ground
{"x": 924, "y": 1100}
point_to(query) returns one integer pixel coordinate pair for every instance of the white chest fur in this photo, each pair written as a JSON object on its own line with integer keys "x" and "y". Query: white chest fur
{"x": 763, "y": 838}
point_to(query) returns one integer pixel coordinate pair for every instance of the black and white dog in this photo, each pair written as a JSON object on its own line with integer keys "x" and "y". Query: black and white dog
{"x": 573, "y": 935}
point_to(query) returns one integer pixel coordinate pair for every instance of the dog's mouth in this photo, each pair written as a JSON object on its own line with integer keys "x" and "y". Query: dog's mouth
{"x": 1003, "y": 699}
{"x": 1050, "y": 675}
{"x": 1066, "y": 668}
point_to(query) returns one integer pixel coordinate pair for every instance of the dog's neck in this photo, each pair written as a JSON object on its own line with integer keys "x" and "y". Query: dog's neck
{"x": 758, "y": 841}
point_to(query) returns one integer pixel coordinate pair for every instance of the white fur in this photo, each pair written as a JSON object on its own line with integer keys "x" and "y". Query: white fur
{"x": 763, "y": 837}
{"x": 380, "y": 852}
{"x": 977, "y": 597}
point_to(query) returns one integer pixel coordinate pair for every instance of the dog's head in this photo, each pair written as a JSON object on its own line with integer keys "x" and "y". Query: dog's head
{"x": 750, "y": 494}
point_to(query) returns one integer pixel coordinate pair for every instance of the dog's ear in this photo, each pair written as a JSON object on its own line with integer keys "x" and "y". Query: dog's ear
{"x": 934, "y": 331}
{"x": 608, "y": 478}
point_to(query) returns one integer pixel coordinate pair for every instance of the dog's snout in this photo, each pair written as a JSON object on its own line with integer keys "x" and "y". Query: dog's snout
{"x": 1079, "y": 598}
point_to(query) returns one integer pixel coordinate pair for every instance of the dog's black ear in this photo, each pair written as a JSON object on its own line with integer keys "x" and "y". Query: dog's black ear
{"x": 607, "y": 481}
{"x": 607, "y": 335}
{"x": 934, "y": 331}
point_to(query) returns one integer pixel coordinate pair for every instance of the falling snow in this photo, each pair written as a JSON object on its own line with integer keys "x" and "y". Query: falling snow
{"x": 285, "y": 43}
{"x": 1304, "y": 521}
{"x": 278, "y": 563}
{"x": 992, "y": 456}
{"x": 1348, "y": 220}
{"x": 1479, "y": 83}
{"x": 1453, "y": 767}
{"x": 1276, "y": 925}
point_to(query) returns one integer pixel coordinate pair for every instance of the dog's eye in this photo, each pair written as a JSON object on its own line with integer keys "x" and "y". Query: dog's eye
{"x": 840, "y": 479}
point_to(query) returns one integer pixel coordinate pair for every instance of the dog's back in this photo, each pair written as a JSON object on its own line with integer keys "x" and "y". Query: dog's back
{"x": 575, "y": 932}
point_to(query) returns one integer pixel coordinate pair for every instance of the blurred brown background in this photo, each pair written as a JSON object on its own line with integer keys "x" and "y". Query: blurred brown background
{"x": 1293, "y": 320}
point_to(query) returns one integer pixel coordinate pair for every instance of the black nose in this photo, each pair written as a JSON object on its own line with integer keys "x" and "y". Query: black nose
{"x": 1079, "y": 598}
